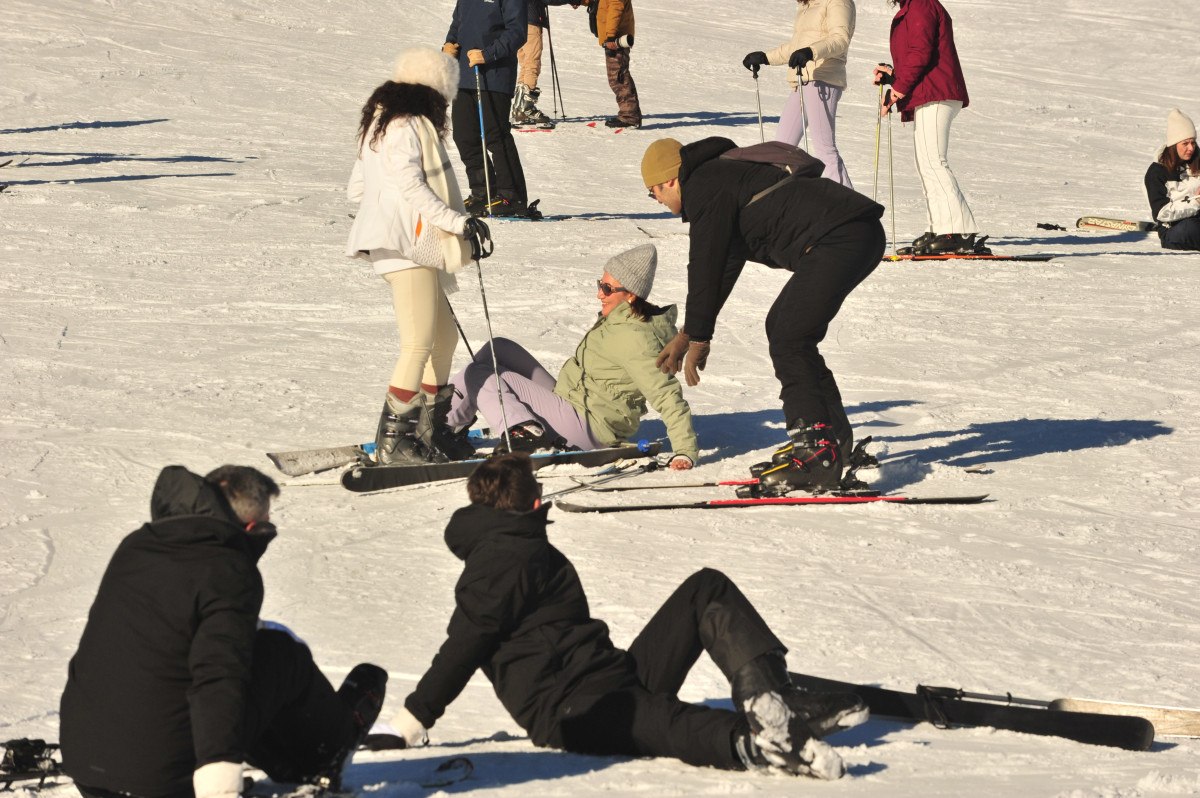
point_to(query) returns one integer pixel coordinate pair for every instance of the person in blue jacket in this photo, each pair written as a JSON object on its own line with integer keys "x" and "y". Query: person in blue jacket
{"x": 487, "y": 34}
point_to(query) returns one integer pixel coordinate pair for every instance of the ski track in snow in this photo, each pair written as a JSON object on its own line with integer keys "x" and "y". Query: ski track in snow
{"x": 172, "y": 290}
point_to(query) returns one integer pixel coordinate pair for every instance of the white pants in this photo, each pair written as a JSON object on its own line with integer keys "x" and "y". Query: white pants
{"x": 948, "y": 209}
{"x": 820, "y": 101}
{"x": 428, "y": 335}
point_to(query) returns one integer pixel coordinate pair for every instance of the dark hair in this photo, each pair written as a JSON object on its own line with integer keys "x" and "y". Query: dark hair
{"x": 643, "y": 309}
{"x": 1169, "y": 158}
{"x": 392, "y": 100}
{"x": 505, "y": 482}
{"x": 248, "y": 490}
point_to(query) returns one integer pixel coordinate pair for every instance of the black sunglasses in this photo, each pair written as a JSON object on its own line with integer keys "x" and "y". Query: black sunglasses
{"x": 609, "y": 290}
{"x": 652, "y": 196}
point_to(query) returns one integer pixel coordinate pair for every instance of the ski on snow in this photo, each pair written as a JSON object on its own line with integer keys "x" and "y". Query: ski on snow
{"x": 951, "y": 256}
{"x": 1104, "y": 223}
{"x": 367, "y": 478}
{"x": 769, "y": 501}
{"x": 943, "y": 707}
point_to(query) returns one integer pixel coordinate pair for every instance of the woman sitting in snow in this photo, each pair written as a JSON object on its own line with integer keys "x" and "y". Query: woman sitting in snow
{"x": 601, "y": 393}
{"x": 1173, "y": 185}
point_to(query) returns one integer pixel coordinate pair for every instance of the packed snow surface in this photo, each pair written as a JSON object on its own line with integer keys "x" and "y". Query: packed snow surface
{"x": 174, "y": 291}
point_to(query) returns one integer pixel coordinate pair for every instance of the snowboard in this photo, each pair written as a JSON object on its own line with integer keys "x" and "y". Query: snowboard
{"x": 941, "y": 707}
{"x": 1103, "y": 223}
{"x": 367, "y": 478}
{"x": 768, "y": 501}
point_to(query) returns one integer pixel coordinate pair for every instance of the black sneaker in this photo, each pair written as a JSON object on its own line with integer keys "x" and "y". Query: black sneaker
{"x": 616, "y": 121}
{"x": 780, "y": 740}
{"x": 363, "y": 692}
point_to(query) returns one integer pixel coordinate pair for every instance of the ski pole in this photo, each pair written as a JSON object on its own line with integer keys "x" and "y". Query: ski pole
{"x": 462, "y": 333}
{"x": 803, "y": 112}
{"x": 892, "y": 177}
{"x": 555, "y": 86}
{"x": 487, "y": 180}
{"x": 492, "y": 347}
{"x": 878, "y": 125}
{"x": 758, "y": 96}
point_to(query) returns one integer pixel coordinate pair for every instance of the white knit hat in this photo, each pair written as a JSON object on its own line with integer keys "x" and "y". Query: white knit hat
{"x": 428, "y": 66}
{"x": 1179, "y": 127}
{"x": 635, "y": 268}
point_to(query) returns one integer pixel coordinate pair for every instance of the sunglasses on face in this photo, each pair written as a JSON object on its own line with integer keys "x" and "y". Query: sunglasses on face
{"x": 652, "y": 193}
{"x": 609, "y": 290}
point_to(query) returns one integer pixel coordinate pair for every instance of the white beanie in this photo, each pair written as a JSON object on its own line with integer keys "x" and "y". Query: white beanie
{"x": 428, "y": 66}
{"x": 635, "y": 268}
{"x": 1179, "y": 127}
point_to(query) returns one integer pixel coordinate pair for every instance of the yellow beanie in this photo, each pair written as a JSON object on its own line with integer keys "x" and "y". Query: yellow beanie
{"x": 661, "y": 162}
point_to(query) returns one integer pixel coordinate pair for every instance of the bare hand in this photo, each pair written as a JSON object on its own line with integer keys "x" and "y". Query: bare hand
{"x": 680, "y": 462}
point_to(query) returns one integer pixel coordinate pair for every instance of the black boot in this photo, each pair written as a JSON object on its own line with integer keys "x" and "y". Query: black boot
{"x": 821, "y": 713}
{"x": 530, "y": 437}
{"x": 436, "y": 435}
{"x": 811, "y": 461}
{"x": 362, "y": 692}
{"x": 395, "y": 439}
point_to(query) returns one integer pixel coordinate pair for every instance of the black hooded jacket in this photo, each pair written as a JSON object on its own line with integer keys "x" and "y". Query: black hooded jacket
{"x": 521, "y": 615}
{"x": 727, "y": 230}
{"x": 158, "y": 685}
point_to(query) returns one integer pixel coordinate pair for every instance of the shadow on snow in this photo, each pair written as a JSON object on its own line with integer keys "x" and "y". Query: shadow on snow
{"x": 83, "y": 126}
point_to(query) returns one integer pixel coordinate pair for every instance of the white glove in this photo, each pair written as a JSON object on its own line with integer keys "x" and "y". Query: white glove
{"x": 409, "y": 728}
{"x": 218, "y": 780}
{"x": 276, "y": 626}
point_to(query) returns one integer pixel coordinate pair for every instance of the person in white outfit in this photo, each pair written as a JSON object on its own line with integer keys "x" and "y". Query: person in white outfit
{"x": 1173, "y": 185}
{"x": 816, "y": 57}
{"x": 412, "y": 227}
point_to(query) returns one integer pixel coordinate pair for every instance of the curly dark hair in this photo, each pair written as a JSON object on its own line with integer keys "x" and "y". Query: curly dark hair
{"x": 392, "y": 100}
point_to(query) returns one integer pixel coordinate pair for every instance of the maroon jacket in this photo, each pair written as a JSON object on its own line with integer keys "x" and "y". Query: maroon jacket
{"x": 926, "y": 63}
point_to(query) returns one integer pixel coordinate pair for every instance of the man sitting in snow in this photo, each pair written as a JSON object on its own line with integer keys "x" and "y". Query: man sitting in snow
{"x": 176, "y": 681}
{"x": 523, "y": 618}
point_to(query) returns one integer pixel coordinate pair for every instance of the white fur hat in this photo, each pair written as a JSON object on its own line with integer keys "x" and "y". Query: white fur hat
{"x": 1179, "y": 127}
{"x": 428, "y": 66}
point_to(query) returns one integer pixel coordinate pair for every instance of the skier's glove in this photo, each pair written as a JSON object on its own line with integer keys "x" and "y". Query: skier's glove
{"x": 670, "y": 359}
{"x": 218, "y": 780}
{"x": 800, "y": 58}
{"x": 479, "y": 237}
{"x": 884, "y": 75}
{"x": 754, "y": 60}
{"x": 409, "y": 728}
{"x": 697, "y": 358}
{"x": 450, "y": 49}
{"x": 475, "y": 58}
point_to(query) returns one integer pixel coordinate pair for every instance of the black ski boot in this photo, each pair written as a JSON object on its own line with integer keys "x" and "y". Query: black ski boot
{"x": 436, "y": 435}
{"x": 514, "y": 208}
{"x": 530, "y": 437}
{"x": 618, "y": 122}
{"x": 811, "y": 461}
{"x": 779, "y": 742}
{"x": 363, "y": 692}
{"x": 396, "y": 442}
{"x": 525, "y": 112}
{"x": 824, "y": 713}
{"x": 957, "y": 244}
{"x": 476, "y": 205}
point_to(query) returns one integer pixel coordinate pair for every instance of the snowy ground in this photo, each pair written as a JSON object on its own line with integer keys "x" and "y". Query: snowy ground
{"x": 174, "y": 292}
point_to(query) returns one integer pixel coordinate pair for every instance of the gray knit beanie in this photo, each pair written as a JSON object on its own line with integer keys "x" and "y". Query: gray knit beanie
{"x": 635, "y": 269}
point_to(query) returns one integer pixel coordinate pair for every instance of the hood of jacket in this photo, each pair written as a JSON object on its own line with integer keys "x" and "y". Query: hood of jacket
{"x": 180, "y": 495}
{"x": 475, "y": 523}
{"x": 693, "y": 156}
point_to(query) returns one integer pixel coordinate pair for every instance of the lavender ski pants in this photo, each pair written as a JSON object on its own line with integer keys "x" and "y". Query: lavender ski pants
{"x": 528, "y": 391}
{"x": 820, "y": 102}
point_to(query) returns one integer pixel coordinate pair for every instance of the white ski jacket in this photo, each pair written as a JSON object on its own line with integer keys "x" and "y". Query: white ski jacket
{"x": 827, "y": 27}
{"x": 391, "y": 189}
{"x": 1182, "y": 194}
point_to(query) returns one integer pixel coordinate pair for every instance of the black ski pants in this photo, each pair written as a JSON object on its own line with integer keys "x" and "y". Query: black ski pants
{"x": 799, "y": 320}
{"x": 1184, "y": 234}
{"x": 706, "y": 613}
{"x": 294, "y": 724}
{"x": 504, "y": 171}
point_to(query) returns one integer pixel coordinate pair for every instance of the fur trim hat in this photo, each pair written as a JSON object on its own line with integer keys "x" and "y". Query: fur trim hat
{"x": 428, "y": 66}
{"x": 1179, "y": 127}
{"x": 635, "y": 268}
{"x": 661, "y": 162}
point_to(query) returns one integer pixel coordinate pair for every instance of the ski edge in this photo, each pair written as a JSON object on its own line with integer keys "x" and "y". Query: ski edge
{"x": 769, "y": 501}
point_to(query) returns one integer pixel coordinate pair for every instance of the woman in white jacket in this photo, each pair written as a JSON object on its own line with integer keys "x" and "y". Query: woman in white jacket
{"x": 817, "y": 50}
{"x": 1173, "y": 185}
{"x": 412, "y": 227}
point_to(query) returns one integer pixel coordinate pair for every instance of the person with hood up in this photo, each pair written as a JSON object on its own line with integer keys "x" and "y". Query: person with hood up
{"x": 522, "y": 617}
{"x": 411, "y": 226}
{"x": 602, "y": 392}
{"x": 828, "y": 236}
{"x": 1173, "y": 185}
{"x": 177, "y": 682}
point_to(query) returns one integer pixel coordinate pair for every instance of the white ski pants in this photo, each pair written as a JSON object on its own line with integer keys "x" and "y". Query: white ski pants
{"x": 948, "y": 209}
{"x": 423, "y": 318}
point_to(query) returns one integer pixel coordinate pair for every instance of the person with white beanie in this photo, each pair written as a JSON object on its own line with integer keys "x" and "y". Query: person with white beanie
{"x": 1173, "y": 185}
{"x": 412, "y": 227}
{"x": 601, "y": 393}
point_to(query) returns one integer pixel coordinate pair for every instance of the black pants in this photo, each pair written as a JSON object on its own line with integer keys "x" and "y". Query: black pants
{"x": 1184, "y": 234}
{"x": 504, "y": 167}
{"x": 706, "y": 613}
{"x": 294, "y": 724}
{"x": 800, "y": 316}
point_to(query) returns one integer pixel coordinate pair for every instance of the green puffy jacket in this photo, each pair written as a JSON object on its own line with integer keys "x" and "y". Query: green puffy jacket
{"x": 612, "y": 377}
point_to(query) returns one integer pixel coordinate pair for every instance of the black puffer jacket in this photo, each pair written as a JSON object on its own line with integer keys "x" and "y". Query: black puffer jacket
{"x": 522, "y": 617}
{"x": 727, "y": 230}
{"x": 158, "y": 684}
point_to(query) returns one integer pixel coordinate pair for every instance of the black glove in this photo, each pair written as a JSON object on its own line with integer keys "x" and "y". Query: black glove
{"x": 479, "y": 236}
{"x": 800, "y": 58}
{"x": 754, "y": 60}
{"x": 887, "y": 78}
